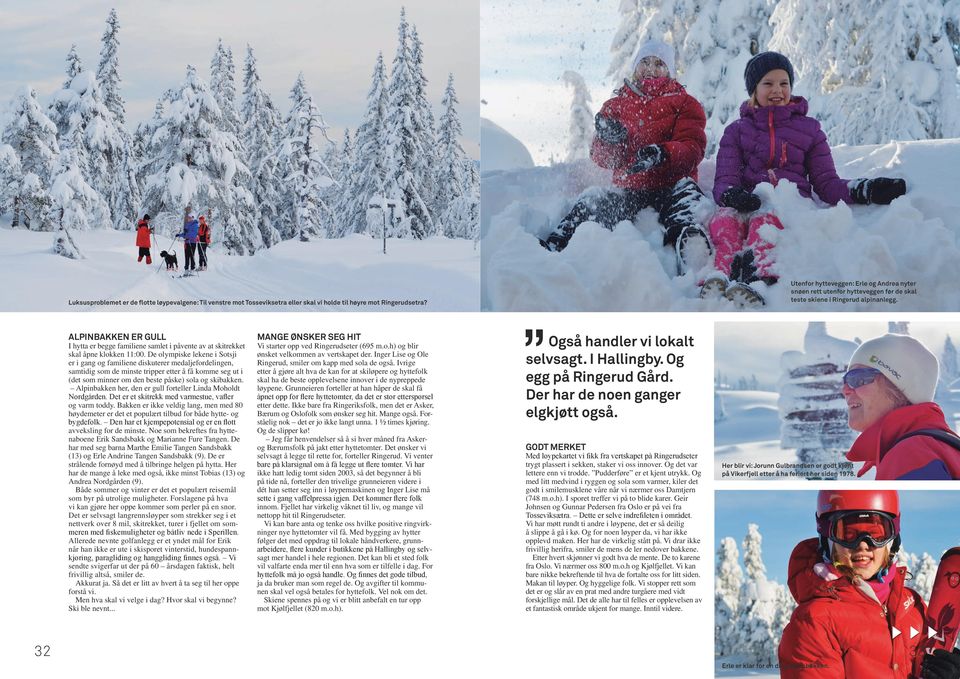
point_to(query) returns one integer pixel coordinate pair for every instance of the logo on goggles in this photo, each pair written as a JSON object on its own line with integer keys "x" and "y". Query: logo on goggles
{"x": 876, "y": 359}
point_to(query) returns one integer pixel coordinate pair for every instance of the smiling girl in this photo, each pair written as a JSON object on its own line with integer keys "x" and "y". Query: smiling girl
{"x": 851, "y": 594}
{"x": 773, "y": 140}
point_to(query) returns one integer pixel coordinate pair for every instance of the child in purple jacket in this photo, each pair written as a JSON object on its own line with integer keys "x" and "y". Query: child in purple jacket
{"x": 774, "y": 139}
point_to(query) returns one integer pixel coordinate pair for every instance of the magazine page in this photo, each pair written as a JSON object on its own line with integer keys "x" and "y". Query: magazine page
{"x": 212, "y": 495}
{"x": 267, "y": 411}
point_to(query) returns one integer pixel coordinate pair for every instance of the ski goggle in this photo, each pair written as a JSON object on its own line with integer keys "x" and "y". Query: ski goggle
{"x": 858, "y": 377}
{"x": 849, "y": 529}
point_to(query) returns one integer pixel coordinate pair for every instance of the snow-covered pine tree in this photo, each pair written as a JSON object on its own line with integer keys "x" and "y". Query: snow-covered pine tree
{"x": 457, "y": 206}
{"x": 406, "y": 158}
{"x": 812, "y": 409}
{"x": 33, "y": 137}
{"x": 305, "y": 175}
{"x": 719, "y": 407}
{"x": 727, "y": 586}
{"x": 223, "y": 87}
{"x": 949, "y": 365}
{"x": 56, "y": 110}
{"x": 98, "y": 143}
{"x": 366, "y": 176}
{"x": 197, "y": 164}
{"x": 581, "y": 118}
{"x": 911, "y": 82}
{"x": 347, "y": 149}
{"x": 74, "y": 65}
{"x": 924, "y": 576}
{"x": 11, "y": 175}
{"x": 108, "y": 74}
{"x": 261, "y": 130}
{"x": 754, "y": 636}
{"x": 76, "y": 206}
{"x": 428, "y": 130}
{"x": 125, "y": 190}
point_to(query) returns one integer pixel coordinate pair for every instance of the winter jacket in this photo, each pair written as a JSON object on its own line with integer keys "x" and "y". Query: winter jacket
{"x": 143, "y": 234}
{"x": 664, "y": 114}
{"x": 189, "y": 233}
{"x": 770, "y": 143}
{"x": 840, "y": 630}
{"x": 203, "y": 233}
{"x": 918, "y": 458}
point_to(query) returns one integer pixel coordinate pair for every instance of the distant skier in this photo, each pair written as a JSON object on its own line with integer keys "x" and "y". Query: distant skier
{"x": 851, "y": 596}
{"x": 144, "y": 233}
{"x": 889, "y": 391}
{"x": 203, "y": 240}
{"x": 774, "y": 139}
{"x": 652, "y": 135}
{"x": 189, "y": 235}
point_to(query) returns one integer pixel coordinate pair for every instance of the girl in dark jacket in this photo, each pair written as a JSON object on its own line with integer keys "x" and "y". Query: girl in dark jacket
{"x": 774, "y": 139}
{"x": 652, "y": 135}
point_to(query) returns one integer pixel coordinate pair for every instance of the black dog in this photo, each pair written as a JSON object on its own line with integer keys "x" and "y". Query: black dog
{"x": 171, "y": 260}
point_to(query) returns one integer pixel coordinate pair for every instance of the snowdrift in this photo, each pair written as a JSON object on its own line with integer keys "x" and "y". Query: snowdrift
{"x": 440, "y": 274}
{"x": 913, "y": 240}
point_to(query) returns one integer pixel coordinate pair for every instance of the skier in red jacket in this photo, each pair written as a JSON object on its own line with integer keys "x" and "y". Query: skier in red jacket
{"x": 851, "y": 597}
{"x": 144, "y": 231}
{"x": 652, "y": 135}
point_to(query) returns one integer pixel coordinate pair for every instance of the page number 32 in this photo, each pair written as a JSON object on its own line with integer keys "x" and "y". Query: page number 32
{"x": 41, "y": 651}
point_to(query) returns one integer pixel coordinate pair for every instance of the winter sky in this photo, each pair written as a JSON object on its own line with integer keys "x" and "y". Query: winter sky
{"x": 335, "y": 44}
{"x": 745, "y": 349}
{"x": 928, "y": 522}
{"x": 525, "y": 47}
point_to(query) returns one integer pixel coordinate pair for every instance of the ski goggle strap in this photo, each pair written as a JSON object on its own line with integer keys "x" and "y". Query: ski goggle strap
{"x": 858, "y": 377}
{"x": 849, "y": 529}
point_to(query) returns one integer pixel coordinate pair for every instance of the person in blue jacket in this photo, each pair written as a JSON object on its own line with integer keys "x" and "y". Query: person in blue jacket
{"x": 191, "y": 228}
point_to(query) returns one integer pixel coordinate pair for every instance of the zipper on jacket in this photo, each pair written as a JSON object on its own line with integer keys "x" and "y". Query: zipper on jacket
{"x": 773, "y": 149}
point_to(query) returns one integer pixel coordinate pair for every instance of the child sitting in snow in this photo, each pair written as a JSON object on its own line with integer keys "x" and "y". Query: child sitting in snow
{"x": 774, "y": 139}
{"x": 652, "y": 135}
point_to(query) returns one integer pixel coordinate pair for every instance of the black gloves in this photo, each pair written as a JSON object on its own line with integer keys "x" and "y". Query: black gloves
{"x": 647, "y": 158}
{"x": 609, "y": 130}
{"x": 740, "y": 199}
{"x": 878, "y": 191}
{"x": 941, "y": 664}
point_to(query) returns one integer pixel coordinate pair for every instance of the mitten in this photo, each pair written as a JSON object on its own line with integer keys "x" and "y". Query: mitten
{"x": 878, "y": 191}
{"x": 609, "y": 130}
{"x": 647, "y": 158}
{"x": 941, "y": 664}
{"x": 740, "y": 199}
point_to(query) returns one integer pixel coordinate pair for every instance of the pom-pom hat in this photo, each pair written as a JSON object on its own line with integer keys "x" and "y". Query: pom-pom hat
{"x": 659, "y": 49}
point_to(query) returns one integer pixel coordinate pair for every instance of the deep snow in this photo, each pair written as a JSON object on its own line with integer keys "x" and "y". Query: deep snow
{"x": 443, "y": 273}
{"x": 913, "y": 240}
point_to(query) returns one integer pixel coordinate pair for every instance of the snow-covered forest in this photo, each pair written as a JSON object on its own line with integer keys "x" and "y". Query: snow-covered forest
{"x": 265, "y": 172}
{"x": 751, "y": 609}
{"x": 881, "y": 77}
{"x": 804, "y": 421}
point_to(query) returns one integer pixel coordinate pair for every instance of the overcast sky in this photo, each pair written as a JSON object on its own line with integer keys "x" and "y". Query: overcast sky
{"x": 335, "y": 44}
{"x": 526, "y": 45}
{"x": 745, "y": 349}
